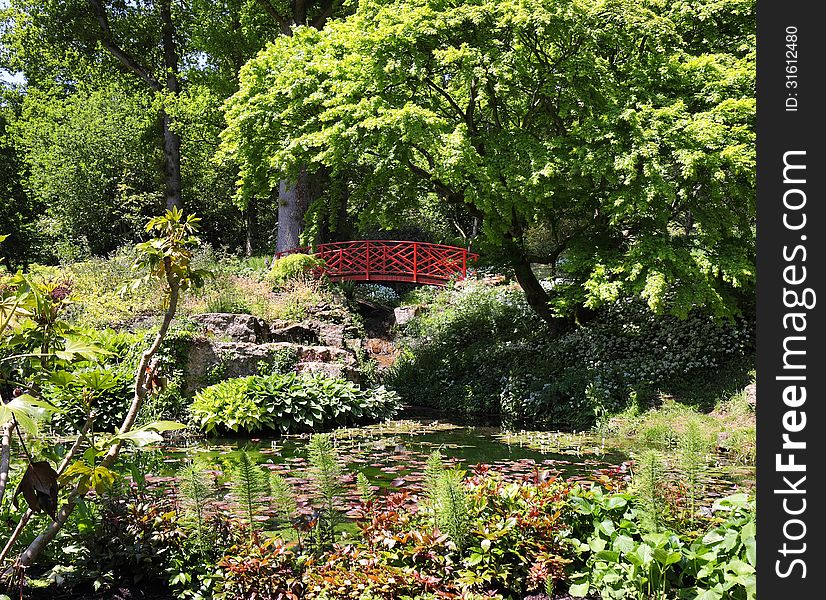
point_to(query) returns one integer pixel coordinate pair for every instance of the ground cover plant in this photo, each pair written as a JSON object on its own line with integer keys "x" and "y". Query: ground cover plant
{"x": 479, "y": 350}
{"x": 289, "y": 403}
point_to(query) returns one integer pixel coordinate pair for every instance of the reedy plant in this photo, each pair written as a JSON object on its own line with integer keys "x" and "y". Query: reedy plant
{"x": 691, "y": 461}
{"x": 325, "y": 473}
{"x": 196, "y": 493}
{"x": 647, "y": 484}
{"x": 283, "y": 498}
{"x": 249, "y": 485}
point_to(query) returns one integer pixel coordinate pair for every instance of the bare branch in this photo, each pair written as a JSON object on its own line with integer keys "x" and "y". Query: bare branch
{"x": 276, "y": 16}
{"x": 108, "y": 42}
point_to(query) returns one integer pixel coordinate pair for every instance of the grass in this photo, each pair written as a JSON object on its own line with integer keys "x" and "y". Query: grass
{"x": 238, "y": 286}
{"x": 730, "y": 426}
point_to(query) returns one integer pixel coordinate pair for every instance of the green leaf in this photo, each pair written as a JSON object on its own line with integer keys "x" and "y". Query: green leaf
{"x": 615, "y": 502}
{"x": 140, "y": 437}
{"x": 161, "y": 426}
{"x": 77, "y": 347}
{"x": 624, "y": 544}
{"x": 608, "y": 556}
{"x": 579, "y": 590}
{"x": 709, "y": 595}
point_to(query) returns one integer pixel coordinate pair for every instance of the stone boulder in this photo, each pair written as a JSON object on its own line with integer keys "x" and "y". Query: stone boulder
{"x": 210, "y": 360}
{"x": 289, "y": 331}
{"x": 404, "y": 314}
{"x": 310, "y": 331}
{"x": 233, "y": 328}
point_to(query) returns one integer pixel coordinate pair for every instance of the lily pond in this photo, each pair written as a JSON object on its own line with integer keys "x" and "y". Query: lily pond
{"x": 392, "y": 456}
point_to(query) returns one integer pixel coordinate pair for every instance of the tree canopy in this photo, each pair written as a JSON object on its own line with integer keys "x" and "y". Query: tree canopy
{"x": 611, "y": 140}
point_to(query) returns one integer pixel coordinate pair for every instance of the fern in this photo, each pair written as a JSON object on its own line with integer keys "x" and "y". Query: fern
{"x": 196, "y": 493}
{"x": 432, "y": 472}
{"x": 452, "y": 506}
{"x": 445, "y": 494}
{"x": 282, "y": 496}
{"x": 365, "y": 491}
{"x": 648, "y": 486}
{"x": 249, "y": 485}
{"x": 325, "y": 474}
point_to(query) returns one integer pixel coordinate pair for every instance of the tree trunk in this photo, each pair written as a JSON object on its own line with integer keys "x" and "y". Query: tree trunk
{"x": 249, "y": 221}
{"x": 171, "y": 140}
{"x": 293, "y": 201}
{"x": 535, "y": 294}
{"x": 172, "y": 163}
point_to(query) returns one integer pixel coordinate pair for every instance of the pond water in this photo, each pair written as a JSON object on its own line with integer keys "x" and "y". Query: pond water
{"x": 393, "y": 454}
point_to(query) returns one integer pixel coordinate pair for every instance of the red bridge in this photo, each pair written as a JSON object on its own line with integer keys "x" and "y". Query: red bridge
{"x": 384, "y": 260}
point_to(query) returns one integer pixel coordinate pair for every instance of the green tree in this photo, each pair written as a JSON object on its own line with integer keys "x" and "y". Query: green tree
{"x": 180, "y": 60}
{"x": 18, "y": 212}
{"x": 612, "y": 141}
{"x": 89, "y": 159}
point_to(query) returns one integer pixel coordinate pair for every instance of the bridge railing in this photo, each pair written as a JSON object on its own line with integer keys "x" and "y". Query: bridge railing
{"x": 391, "y": 260}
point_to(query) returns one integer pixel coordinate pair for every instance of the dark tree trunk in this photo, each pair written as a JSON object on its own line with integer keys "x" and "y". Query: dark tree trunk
{"x": 535, "y": 294}
{"x": 171, "y": 140}
{"x": 293, "y": 201}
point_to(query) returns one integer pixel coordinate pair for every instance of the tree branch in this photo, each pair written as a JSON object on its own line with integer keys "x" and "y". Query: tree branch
{"x": 5, "y": 457}
{"x": 276, "y": 16}
{"x": 447, "y": 97}
{"x": 108, "y": 42}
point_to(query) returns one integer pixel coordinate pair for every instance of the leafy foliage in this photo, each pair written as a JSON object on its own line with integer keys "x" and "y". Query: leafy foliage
{"x": 481, "y": 350}
{"x": 292, "y": 266}
{"x": 623, "y": 560}
{"x": 289, "y": 402}
{"x": 603, "y": 139}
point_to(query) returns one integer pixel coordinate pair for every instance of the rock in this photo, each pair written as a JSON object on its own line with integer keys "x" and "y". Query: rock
{"x": 287, "y": 331}
{"x": 722, "y": 439}
{"x": 384, "y": 352}
{"x": 210, "y": 361}
{"x": 337, "y": 370}
{"x": 403, "y": 314}
{"x": 310, "y": 331}
{"x": 234, "y": 328}
{"x": 329, "y": 334}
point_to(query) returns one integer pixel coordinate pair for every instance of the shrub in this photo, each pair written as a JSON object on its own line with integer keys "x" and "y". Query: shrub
{"x": 481, "y": 350}
{"x": 377, "y": 293}
{"x": 291, "y": 267}
{"x": 289, "y": 403}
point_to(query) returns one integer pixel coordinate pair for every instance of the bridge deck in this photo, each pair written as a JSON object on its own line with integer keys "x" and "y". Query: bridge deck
{"x": 390, "y": 261}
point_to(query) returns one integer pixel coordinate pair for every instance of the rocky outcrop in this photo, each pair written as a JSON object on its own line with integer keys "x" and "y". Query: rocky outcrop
{"x": 240, "y": 345}
{"x": 233, "y": 328}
